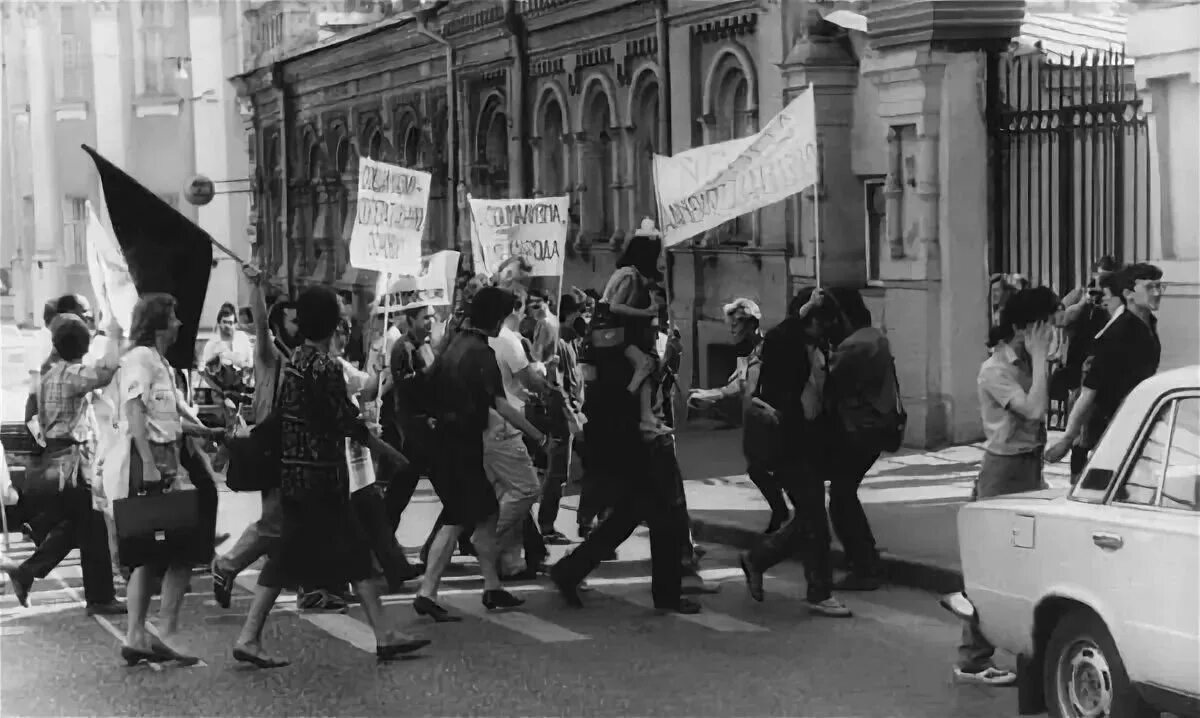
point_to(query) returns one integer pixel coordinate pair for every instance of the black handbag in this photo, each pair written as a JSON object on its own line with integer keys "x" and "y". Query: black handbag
{"x": 152, "y": 518}
{"x": 254, "y": 459}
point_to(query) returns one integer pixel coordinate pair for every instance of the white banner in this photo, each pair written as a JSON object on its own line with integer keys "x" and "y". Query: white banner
{"x": 432, "y": 287}
{"x": 535, "y": 229}
{"x": 707, "y": 186}
{"x": 390, "y": 217}
{"x": 112, "y": 283}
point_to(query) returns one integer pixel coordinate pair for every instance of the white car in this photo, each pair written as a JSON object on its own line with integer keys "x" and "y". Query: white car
{"x": 1097, "y": 590}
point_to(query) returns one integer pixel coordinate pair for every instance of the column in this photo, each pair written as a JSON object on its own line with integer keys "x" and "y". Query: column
{"x": 212, "y": 119}
{"x": 47, "y": 196}
{"x": 112, "y": 95}
{"x": 819, "y": 58}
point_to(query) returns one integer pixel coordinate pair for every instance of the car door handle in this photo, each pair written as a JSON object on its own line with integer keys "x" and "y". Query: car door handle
{"x": 1107, "y": 541}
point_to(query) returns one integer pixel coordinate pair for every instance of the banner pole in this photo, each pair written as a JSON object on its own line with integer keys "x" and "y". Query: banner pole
{"x": 817, "y": 219}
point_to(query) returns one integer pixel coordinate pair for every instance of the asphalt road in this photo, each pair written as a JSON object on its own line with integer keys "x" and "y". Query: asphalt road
{"x": 615, "y": 657}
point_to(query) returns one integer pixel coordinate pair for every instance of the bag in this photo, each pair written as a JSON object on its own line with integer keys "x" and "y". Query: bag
{"x": 605, "y": 330}
{"x": 152, "y": 518}
{"x": 892, "y": 434}
{"x": 254, "y": 460}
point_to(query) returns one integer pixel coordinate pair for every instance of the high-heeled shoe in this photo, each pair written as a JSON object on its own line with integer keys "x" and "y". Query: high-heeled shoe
{"x": 165, "y": 653}
{"x": 133, "y": 656}
{"x": 499, "y": 598}
{"x": 399, "y": 648}
{"x": 428, "y": 607}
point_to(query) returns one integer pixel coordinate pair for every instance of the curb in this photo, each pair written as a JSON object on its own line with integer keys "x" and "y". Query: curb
{"x": 922, "y": 575}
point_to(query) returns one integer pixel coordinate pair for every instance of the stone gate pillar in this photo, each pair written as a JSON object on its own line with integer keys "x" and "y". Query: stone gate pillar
{"x": 928, "y": 63}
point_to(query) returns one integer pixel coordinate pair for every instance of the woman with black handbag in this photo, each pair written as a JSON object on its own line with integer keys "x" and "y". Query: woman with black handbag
{"x": 154, "y": 504}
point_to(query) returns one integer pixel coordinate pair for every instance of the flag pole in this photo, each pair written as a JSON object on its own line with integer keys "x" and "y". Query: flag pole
{"x": 817, "y": 219}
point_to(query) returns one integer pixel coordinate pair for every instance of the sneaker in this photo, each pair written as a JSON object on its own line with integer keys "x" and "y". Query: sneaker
{"x": 990, "y": 676}
{"x": 830, "y": 607}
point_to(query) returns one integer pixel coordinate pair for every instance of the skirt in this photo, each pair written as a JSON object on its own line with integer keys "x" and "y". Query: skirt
{"x": 457, "y": 475}
{"x": 321, "y": 544}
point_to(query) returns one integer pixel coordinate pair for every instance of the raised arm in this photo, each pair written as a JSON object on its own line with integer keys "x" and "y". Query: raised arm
{"x": 264, "y": 347}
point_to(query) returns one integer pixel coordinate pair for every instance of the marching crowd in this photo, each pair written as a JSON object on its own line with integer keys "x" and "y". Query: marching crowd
{"x": 491, "y": 412}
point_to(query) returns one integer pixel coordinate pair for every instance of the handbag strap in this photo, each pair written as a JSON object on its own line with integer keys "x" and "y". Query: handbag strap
{"x": 896, "y": 382}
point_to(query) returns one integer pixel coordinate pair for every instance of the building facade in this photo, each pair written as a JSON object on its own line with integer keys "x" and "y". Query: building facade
{"x": 145, "y": 83}
{"x": 550, "y": 97}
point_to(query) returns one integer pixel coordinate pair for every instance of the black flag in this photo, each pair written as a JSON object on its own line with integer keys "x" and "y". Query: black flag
{"x": 165, "y": 251}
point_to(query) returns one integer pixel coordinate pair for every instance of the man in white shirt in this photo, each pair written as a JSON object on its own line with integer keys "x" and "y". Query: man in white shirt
{"x": 505, "y": 458}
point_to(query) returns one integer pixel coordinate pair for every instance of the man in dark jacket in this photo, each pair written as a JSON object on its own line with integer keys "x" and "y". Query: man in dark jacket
{"x": 792, "y": 385}
{"x": 861, "y": 392}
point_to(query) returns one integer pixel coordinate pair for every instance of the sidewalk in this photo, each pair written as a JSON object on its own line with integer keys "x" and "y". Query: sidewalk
{"x": 911, "y": 499}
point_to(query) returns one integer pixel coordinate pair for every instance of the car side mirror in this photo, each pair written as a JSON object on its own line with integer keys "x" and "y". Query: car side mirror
{"x": 1096, "y": 479}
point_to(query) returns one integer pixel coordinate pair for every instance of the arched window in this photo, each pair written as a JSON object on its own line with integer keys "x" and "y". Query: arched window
{"x": 645, "y": 121}
{"x": 409, "y": 142}
{"x": 552, "y": 168}
{"x": 732, "y": 108}
{"x": 598, "y": 219}
{"x": 377, "y": 147}
{"x": 491, "y": 146}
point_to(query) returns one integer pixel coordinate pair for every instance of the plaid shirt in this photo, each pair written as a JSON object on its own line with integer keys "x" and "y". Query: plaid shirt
{"x": 63, "y": 406}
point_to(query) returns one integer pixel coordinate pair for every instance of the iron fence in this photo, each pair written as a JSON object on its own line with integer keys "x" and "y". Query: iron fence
{"x": 1070, "y": 165}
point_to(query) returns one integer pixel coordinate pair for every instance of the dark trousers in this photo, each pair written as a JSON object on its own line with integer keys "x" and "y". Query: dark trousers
{"x": 400, "y": 483}
{"x": 771, "y": 489}
{"x": 807, "y": 533}
{"x": 849, "y": 466}
{"x": 200, "y": 472}
{"x": 79, "y": 526}
{"x": 656, "y": 501}
{"x": 558, "y": 471}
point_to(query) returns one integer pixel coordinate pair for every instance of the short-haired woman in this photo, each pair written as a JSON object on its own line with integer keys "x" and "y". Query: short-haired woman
{"x": 322, "y": 543}
{"x": 149, "y": 407}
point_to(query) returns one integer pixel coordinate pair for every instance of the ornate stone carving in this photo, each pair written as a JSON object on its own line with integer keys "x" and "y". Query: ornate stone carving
{"x": 723, "y": 28}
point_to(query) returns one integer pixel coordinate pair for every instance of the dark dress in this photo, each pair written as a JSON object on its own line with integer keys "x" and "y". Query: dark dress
{"x": 463, "y": 386}
{"x": 322, "y": 543}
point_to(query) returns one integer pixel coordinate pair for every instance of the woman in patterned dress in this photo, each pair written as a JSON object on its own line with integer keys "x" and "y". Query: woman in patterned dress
{"x": 322, "y": 543}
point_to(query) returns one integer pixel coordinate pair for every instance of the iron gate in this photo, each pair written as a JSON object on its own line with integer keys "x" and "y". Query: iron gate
{"x": 1070, "y": 165}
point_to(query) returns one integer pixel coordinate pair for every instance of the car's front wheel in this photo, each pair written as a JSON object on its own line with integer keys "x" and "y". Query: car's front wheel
{"x": 1083, "y": 673}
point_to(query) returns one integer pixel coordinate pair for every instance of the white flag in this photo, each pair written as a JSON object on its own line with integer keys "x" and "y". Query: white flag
{"x": 707, "y": 186}
{"x": 111, "y": 281}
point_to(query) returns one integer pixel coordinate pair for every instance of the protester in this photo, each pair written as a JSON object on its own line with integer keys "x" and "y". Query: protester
{"x": 466, "y": 386}
{"x": 277, "y": 335}
{"x": 1013, "y": 384}
{"x": 792, "y": 390}
{"x": 411, "y": 361}
{"x": 861, "y": 391}
{"x": 68, "y": 427}
{"x": 566, "y": 402}
{"x": 150, "y": 409}
{"x": 743, "y": 317}
{"x": 322, "y": 542}
{"x": 630, "y": 300}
